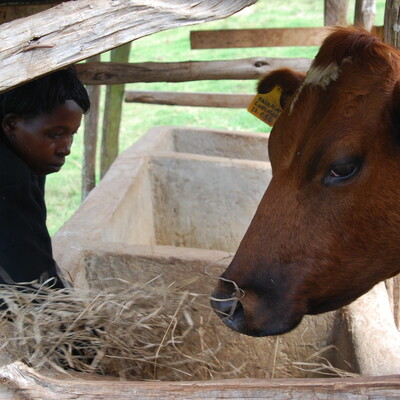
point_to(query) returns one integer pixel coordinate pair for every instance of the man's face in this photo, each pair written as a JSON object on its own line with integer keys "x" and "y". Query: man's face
{"x": 44, "y": 141}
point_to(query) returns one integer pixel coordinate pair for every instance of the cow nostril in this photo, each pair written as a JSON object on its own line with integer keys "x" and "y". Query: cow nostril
{"x": 225, "y": 308}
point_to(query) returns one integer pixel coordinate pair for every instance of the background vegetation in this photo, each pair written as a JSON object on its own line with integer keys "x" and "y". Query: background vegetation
{"x": 63, "y": 191}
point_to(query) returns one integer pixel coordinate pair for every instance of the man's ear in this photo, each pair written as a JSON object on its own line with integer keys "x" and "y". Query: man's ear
{"x": 9, "y": 124}
{"x": 287, "y": 79}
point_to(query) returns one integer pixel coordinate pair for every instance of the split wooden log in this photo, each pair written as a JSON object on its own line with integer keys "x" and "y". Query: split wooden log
{"x": 76, "y": 30}
{"x": 110, "y": 73}
{"x": 224, "y": 100}
{"x": 237, "y": 38}
{"x": 18, "y": 381}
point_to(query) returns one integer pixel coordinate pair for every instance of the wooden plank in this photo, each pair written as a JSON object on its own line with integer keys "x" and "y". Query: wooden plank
{"x": 112, "y": 115}
{"x": 76, "y": 30}
{"x": 18, "y": 381}
{"x": 109, "y": 73}
{"x": 364, "y": 14}
{"x": 90, "y": 138}
{"x": 232, "y": 38}
{"x": 223, "y": 100}
{"x": 335, "y": 12}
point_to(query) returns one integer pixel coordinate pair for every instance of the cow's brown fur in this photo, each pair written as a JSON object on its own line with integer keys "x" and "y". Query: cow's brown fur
{"x": 328, "y": 226}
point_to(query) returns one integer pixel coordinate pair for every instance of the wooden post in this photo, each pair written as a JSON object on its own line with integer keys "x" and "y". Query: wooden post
{"x": 364, "y": 14}
{"x": 335, "y": 12}
{"x": 112, "y": 114}
{"x": 391, "y": 24}
{"x": 90, "y": 138}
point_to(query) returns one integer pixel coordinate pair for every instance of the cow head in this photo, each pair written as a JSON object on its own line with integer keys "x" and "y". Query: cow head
{"x": 328, "y": 226}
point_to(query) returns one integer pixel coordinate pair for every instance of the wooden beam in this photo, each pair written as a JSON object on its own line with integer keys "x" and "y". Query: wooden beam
{"x": 112, "y": 114}
{"x": 109, "y": 73}
{"x": 90, "y": 138}
{"x": 18, "y": 381}
{"x": 223, "y": 100}
{"x": 219, "y": 39}
{"x": 76, "y": 30}
{"x": 364, "y": 14}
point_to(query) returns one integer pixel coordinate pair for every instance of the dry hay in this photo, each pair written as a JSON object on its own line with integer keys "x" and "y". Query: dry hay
{"x": 132, "y": 331}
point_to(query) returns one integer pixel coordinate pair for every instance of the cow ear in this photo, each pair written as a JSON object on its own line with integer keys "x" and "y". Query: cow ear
{"x": 287, "y": 79}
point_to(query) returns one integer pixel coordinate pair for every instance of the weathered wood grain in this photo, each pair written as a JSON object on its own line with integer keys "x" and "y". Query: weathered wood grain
{"x": 113, "y": 114}
{"x": 364, "y": 13}
{"x": 76, "y": 30}
{"x": 109, "y": 73}
{"x": 238, "y": 38}
{"x": 90, "y": 138}
{"x": 20, "y": 382}
{"x": 335, "y": 12}
{"x": 391, "y": 34}
{"x": 224, "y": 100}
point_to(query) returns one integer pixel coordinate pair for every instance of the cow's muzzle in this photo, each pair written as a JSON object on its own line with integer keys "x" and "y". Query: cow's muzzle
{"x": 228, "y": 307}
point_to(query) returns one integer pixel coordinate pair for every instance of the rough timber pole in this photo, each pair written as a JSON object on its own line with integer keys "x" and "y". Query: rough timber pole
{"x": 76, "y": 30}
{"x": 335, "y": 12}
{"x": 112, "y": 114}
{"x": 392, "y": 23}
{"x": 364, "y": 14}
{"x": 90, "y": 138}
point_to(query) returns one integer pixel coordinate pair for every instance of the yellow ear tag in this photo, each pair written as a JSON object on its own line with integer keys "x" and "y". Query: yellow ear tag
{"x": 267, "y": 107}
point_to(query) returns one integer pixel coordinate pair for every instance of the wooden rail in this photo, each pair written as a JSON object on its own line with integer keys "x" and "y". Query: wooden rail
{"x": 19, "y": 381}
{"x": 225, "y": 100}
{"x": 110, "y": 73}
{"x": 273, "y": 37}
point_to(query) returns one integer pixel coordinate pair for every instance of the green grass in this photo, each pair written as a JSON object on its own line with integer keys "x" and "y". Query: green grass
{"x": 63, "y": 190}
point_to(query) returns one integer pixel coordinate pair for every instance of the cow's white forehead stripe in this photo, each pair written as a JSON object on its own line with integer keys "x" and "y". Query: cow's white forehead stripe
{"x": 322, "y": 76}
{"x": 317, "y": 76}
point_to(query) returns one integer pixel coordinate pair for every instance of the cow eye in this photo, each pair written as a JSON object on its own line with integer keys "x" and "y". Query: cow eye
{"x": 341, "y": 172}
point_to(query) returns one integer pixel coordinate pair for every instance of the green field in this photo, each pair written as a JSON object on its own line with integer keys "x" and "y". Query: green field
{"x": 63, "y": 191}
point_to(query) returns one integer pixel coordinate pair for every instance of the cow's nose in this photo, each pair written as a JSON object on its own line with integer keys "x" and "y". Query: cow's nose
{"x": 225, "y": 300}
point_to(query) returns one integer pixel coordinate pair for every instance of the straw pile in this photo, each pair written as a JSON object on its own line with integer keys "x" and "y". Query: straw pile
{"x": 131, "y": 331}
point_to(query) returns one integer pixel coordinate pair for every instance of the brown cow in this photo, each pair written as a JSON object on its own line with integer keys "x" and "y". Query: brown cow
{"x": 328, "y": 227}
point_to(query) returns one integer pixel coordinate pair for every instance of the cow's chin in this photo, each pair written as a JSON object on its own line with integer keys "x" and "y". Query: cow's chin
{"x": 235, "y": 316}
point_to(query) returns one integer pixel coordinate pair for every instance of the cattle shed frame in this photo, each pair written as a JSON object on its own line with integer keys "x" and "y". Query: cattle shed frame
{"x": 49, "y": 35}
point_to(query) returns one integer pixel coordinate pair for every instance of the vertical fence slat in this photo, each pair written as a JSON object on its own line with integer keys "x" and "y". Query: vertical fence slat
{"x": 364, "y": 14}
{"x": 392, "y": 25}
{"x": 112, "y": 114}
{"x": 335, "y": 12}
{"x": 90, "y": 138}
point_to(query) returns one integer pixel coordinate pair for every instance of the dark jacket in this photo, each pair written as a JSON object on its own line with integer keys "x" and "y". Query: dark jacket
{"x": 25, "y": 244}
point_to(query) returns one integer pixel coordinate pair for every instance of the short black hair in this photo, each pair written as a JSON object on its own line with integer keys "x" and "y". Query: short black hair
{"x": 43, "y": 95}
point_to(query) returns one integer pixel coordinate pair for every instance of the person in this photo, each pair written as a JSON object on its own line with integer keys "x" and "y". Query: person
{"x": 38, "y": 123}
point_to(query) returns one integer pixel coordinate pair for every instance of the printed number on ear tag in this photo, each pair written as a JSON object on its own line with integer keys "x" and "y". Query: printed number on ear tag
{"x": 267, "y": 107}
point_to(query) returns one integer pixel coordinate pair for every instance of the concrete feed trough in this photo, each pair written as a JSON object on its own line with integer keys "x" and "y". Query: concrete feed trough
{"x": 177, "y": 203}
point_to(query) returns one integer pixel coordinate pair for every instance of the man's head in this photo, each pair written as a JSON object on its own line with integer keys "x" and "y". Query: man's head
{"x": 40, "y": 118}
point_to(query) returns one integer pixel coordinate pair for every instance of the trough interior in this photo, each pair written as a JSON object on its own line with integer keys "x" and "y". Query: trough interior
{"x": 196, "y": 201}
{"x": 246, "y": 146}
{"x": 279, "y": 356}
